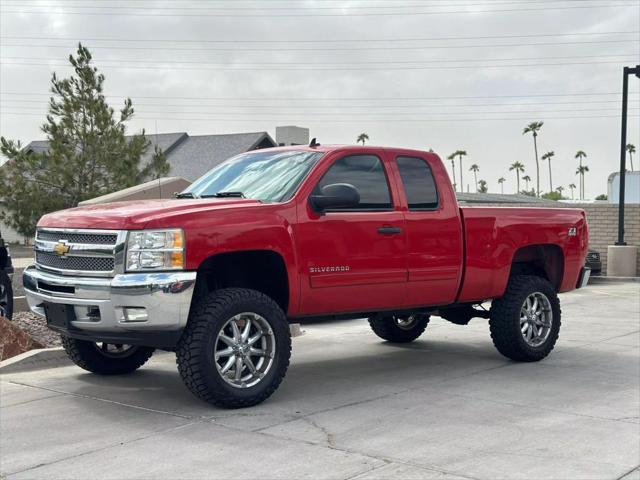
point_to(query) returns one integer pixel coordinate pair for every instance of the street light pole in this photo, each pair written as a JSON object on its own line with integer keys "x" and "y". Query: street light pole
{"x": 623, "y": 144}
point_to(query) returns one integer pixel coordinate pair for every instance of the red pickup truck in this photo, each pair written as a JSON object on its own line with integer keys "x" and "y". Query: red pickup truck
{"x": 274, "y": 236}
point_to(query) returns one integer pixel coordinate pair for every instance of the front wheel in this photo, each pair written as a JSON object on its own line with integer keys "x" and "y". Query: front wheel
{"x": 525, "y": 322}
{"x": 235, "y": 349}
{"x": 106, "y": 358}
{"x": 399, "y": 328}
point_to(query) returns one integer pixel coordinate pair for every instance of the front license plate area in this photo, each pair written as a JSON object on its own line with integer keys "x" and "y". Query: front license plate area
{"x": 59, "y": 315}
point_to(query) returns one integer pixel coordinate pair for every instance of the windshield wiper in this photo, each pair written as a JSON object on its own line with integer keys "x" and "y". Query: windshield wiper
{"x": 185, "y": 195}
{"x": 225, "y": 195}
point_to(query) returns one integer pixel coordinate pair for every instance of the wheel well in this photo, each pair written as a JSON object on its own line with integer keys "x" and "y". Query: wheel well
{"x": 261, "y": 270}
{"x": 546, "y": 261}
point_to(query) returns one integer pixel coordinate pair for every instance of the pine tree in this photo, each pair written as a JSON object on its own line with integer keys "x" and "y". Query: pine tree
{"x": 88, "y": 152}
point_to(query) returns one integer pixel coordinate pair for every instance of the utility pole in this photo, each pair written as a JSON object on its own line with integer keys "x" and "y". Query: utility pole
{"x": 623, "y": 153}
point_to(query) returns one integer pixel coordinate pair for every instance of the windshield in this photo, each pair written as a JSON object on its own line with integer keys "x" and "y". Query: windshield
{"x": 265, "y": 176}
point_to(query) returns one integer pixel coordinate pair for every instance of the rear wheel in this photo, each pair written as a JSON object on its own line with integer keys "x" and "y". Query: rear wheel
{"x": 6, "y": 296}
{"x": 399, "y": 328}
{"x": 235, "y": 350}
{"x": 106, "y": 358}
{"x": 525, "y": 322}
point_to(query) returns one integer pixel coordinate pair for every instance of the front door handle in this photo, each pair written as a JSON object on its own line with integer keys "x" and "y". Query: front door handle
{"x": 389, "y": 230}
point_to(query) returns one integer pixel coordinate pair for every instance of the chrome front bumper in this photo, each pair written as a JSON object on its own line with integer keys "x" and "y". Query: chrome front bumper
{"x": 102, "y": 306}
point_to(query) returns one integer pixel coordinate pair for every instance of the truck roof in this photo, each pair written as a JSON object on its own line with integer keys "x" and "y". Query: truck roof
{"x": 346, "y": 147}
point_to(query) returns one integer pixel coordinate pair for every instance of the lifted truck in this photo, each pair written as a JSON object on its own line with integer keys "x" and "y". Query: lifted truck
{"x": 277, "y": 235}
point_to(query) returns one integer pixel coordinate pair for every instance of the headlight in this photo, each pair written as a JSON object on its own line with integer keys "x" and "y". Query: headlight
{"x": 155, "y": 250}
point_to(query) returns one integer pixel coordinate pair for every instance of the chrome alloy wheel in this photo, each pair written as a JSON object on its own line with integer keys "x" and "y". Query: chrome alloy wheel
{"x": 244, "y": 350}
{"x": 536, "y": 319}
{"x": 405, "y": 323}
{"x": 115, "y": 350}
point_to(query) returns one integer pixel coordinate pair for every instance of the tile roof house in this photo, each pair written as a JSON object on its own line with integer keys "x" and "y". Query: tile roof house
{"x": 192, "y": 156}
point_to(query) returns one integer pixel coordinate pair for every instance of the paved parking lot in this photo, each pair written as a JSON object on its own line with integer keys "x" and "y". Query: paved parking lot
{"x": 352, "y": 407}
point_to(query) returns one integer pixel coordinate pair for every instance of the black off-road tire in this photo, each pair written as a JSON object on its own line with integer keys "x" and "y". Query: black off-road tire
{"x": 504, "y": 322}
{"x": 386, "y": 327}
{"x": 87, "y": 355}
{"x": 6, "y": 296}
{"x": 195, "y": 353}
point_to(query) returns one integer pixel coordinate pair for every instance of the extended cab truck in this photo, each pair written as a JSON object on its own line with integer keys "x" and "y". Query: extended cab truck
{"x": 275, "y": 235}
{"x": 6, "y": 275}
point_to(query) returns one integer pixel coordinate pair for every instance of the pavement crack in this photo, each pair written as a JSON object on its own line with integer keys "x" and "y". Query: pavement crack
{"x": 105, "y": 400}
{"x": 621, "y": 477}
{"x": 104, "y": 447}
{"x": 330, "y": 436}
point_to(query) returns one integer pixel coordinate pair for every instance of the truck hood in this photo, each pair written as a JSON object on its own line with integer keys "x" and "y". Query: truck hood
{"x": 135, "y": 215}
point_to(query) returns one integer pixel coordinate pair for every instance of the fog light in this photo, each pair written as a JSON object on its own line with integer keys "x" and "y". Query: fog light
{"x": 135, "y": 314}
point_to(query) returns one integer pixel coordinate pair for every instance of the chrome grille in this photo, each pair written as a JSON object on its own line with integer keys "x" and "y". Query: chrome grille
{"x": 91, "y": 264}
{"x": 86, "y": 238}
{"x": 80, "y": 252}
{"x": 593, "y": 256}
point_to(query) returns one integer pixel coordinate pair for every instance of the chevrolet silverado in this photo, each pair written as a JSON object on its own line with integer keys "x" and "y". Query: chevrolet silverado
{"x": 274, "y": 236}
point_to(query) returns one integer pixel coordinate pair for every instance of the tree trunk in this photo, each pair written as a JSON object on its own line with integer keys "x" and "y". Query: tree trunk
{"x": 631, "y": 160}
{"x": 461, "y": 182}
{"x": 535, "y": 149}
{"x": 518, "y": 181}
{"x": 453, "y": 170}
{"x": 550, "y": 180}
{"x": 475, "y": 179}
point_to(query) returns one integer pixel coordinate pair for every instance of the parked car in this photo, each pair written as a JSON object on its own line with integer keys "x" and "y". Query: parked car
{"x": 593, "y": 262}
{"x": 6, "y": 274}
{"x": 276, "y": 235}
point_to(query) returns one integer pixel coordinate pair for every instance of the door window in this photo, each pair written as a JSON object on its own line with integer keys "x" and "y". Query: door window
{"x": 419, "y": 185}
{"x": 366, "y": 173}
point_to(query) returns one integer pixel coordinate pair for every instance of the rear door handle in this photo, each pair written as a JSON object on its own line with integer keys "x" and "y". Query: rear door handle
{"x": 389, "y": 230}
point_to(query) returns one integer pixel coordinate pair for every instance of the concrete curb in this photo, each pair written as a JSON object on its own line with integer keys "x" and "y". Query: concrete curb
{"x": 601, "y": 280}
{"x": 37, "y": 359}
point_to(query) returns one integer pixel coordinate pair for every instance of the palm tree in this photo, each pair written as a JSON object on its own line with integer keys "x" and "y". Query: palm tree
{"x": 453, "y": 168}
{"x": 501, "y": 181}
{"x": 548, "y": 156}
{"x": 475, "y": 169}
{"x": 460, "y": 154}
{"x": 572, "y": 186}
{"x": 631, "y": 149}
{"x": 363, "y": 137}
{"x": 582, "y": 169}
{"x": 527, "y": 179}
{"x": 560, "y": 189}
{"x": 534, "y": 128}
{"x": 518, "y": 167}
{"x": 580, "y": 155}
{"x": 483, "y": 186}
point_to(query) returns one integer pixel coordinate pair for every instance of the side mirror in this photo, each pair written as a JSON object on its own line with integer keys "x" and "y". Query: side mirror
{"x": 336, "y": 195}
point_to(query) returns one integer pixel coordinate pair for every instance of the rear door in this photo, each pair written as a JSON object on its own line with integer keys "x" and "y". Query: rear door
{"x": 433, "y": 225}
{"x": 353, "y": 259}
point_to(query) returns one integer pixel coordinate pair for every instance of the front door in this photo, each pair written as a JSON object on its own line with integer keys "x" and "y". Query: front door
{"x": 353, "y": 259}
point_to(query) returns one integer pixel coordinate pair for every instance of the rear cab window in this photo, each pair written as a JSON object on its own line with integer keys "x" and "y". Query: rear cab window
{"x": 418, "y": 182}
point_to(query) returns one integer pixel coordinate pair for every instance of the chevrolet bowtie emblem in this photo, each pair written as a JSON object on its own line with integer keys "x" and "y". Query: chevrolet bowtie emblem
{"x": 61, "y": 249}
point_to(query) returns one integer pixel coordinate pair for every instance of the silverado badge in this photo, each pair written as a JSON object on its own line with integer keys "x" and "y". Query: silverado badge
{"x": 61, "y": 249}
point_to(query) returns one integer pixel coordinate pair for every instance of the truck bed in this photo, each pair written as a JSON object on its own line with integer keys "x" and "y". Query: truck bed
{"x": 495, "y": 235}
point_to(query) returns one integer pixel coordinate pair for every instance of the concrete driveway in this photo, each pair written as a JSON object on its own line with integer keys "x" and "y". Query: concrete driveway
{"x": 352, "y": 407}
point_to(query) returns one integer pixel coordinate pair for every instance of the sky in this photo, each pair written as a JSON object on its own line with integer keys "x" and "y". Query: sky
{"x": 439, "y": 74}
